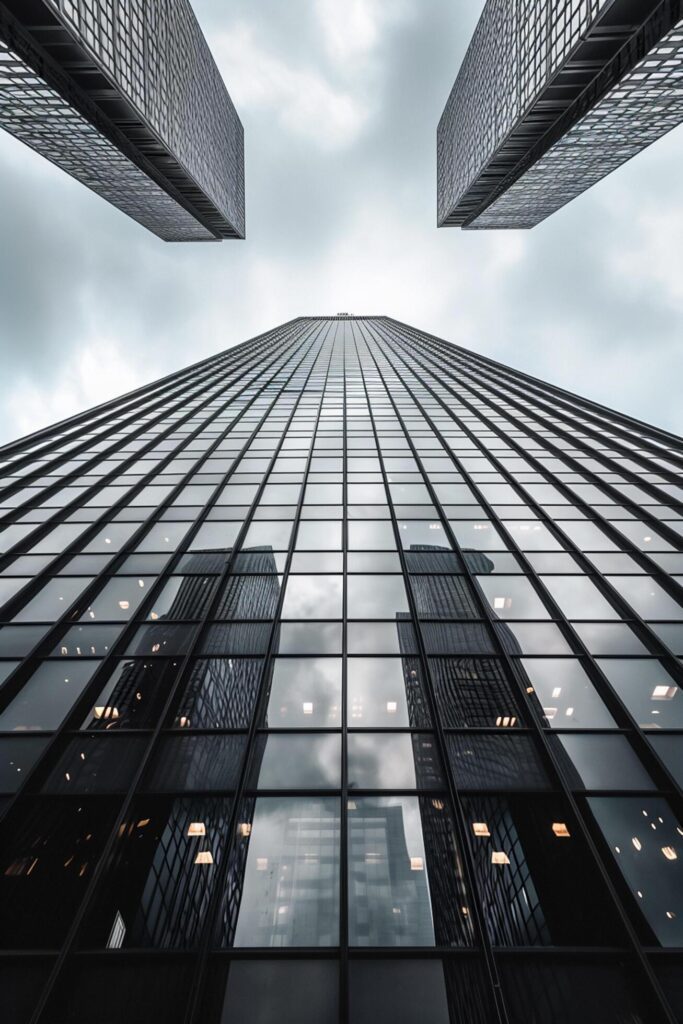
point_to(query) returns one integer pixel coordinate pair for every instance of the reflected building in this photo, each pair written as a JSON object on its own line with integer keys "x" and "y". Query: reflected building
{"x": 552, "y": 96}
{"x": 128, "y": 100}
{"x": 341, "y": 684}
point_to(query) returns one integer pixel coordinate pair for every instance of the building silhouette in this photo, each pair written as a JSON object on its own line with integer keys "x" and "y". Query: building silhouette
{"x": 126, "y": 98}
{"x": 496, "y": 838}
{"x": 551, "y": 97}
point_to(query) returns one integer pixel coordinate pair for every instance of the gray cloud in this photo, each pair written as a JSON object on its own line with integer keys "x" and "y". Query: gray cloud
{"x": 340, "y": 104}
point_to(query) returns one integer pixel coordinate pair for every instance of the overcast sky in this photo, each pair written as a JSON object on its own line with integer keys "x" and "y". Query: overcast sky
{"x": 340, "y": 100}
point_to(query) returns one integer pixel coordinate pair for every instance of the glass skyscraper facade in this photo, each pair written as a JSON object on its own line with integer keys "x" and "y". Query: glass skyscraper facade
{"x": 341, "y": 683}
{"x": 125, "y": 96}
{"x": 552, "y": 96}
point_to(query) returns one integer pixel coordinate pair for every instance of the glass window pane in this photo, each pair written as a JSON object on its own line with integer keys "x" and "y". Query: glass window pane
{"x": 587, "y": 990}
{"x": 531, "y": 638}
{"x": 538, "y": 879}
{"x": 368, "y": 535}
{"x": 270, "y": 534}
{"x": 477, "y": 535}
{"x": 376, "y": 597}
{"x": 444, "y": 597}
{"x": 405, "y": 879}
{"x": 670, "y": 750}
{"x": 412, "y": 991}
{"x": 579, "y": 598}
{"x": 183, "y": 597}
{"x": 646, "y": 597}
{"x": 247, "y": 597}
{"x": 319, "y": 536}
{"x": 47, "y": 696}
{"x": 644, "y": 837}
{"x": 393, "y": 761}
{"x": 119, "y": 599}
{"x": 381, "y": 638}
{"x": 496, "y": 762}
{"x": 297, "y": 761}
{"x": 304, "y": 638}
{"x": 221, "y": 693}
{"x": 418, "y": 534}
{"x": 386, "y": 693}
{"x": 296, "y": 842}
{"x": 95, "y": 764}
{"x": 313, "y": 597}
{"x": 513, "y": 597}
{"x": 651, "y": 695}
{"x": 17, "y": 758}
{"x": 609, "y": 638}
{"x": 530, "y": 535}
{"x": 564, "y": 694}
{"x": 305, "y": 693}
{"x": 157, "y": 887}
{"x": 133, "y": 696}
{"x": 40, "y": 894}
{"x": 474, "y": 693}
{"x": 601, "y": 762}
{"x": 282, "y": 992}
{"x": 137, "y": 991}
{"x": 184, "y": 763}
{"x": 53, "y": 600}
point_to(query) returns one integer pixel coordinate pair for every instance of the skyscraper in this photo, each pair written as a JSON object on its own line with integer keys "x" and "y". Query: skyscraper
{"x": 127, "y": 98}
{"x": 341, "y": 681}
{"x": 552, "y": 96}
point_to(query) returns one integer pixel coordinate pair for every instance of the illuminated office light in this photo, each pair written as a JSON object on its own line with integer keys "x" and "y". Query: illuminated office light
{"x": 196, "y": 828}
{"x": 560, "y": 830}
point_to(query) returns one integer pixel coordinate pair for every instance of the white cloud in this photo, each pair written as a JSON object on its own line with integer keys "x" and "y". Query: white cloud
{"x": 302, "y": 100}
{"x": 97, "y": 372}
{"x": 354, "y": 28}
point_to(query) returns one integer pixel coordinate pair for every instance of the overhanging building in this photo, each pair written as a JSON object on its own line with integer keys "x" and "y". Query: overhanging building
{"x": 341, "y": 681}
{"x": 127, "y": 98}
{"x": 552, "y": 96}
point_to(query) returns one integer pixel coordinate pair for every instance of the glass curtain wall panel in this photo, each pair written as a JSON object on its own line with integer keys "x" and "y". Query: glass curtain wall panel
{"x": 340, "y": 681}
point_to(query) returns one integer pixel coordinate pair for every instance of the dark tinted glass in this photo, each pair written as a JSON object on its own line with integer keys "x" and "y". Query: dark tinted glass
{"x": 184, "y": 763}
{"x": 220, "y": 693}
{"x": 474, "y": 693}
{"x": 535, "y": 874}
{"x": 41, "y": 891}
{"x": 496, "y": 762}
{"x": 567, "y": 992}
{"x": 281, "y": 992}
{"x": 157, "y": 886}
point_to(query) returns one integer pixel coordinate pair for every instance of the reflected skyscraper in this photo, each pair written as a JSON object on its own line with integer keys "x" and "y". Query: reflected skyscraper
{"x": 340, "y": 680}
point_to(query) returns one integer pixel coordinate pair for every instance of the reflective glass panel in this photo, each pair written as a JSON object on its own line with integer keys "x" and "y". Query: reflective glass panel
{"x": 564, "y": 694}
{"x": 650, "y": 694}
{"x": 405, "y": 880}
{"x": 644, "y": 837}
{"x": 288, "y": 874}
{"x": 386, "y": 693}
{"x": 305, "y": 693}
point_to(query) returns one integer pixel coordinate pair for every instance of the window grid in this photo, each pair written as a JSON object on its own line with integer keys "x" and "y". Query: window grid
{"x": 349, "y": 618}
